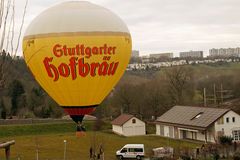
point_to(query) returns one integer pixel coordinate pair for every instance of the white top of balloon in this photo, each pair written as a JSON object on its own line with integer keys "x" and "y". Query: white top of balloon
{"x": 76, "y": 16}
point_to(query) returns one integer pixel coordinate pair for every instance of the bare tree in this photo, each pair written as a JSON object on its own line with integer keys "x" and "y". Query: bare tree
{"x": 178, "y": 78}
{"x": 13, "y": 26}
{"x": 124, "y": 96}
{"x": 10, "y": 28}
{"x": 1, "y": 12}
{"x": 6, "y": 22}
{"x": 20, "y": 31}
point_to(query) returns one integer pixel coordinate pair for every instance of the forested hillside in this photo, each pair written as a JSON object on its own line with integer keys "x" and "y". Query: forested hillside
{"x": 143, "y": 93}
{"x": 20, "y": 95}
{"x": 151, "y": 93}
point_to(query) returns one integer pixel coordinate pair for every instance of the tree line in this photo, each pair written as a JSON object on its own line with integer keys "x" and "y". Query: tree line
{"x": 146, "y": 94}
{"x": 20, "y": 94}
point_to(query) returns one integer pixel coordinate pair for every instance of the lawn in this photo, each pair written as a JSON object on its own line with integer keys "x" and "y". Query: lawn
{"x": 50, "y": 137}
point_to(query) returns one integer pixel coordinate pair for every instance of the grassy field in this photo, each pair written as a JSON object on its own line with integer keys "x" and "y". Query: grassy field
{"x": 39, "y": 129}
{"x": 50, "y": 137}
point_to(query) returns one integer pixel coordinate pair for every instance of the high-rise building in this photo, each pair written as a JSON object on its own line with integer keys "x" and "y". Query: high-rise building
{"x": 213, "y": 52}
{"x": 145, "y": 59}
{"x": 230, "y": 52}
{"x": 237, "y": 51}
{"x": 224, "y": 52}
{"x": 161, "y": 55}
{"x": 191, "y": 54}
{"x": 135, "y": 53}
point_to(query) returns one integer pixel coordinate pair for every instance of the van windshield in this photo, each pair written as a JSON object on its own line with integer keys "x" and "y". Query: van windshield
{"x": 124, "y": 150}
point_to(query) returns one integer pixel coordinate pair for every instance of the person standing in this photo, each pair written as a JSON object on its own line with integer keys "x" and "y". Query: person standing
{"x": 91, "y": 152}
{"x": 101, "y": 152}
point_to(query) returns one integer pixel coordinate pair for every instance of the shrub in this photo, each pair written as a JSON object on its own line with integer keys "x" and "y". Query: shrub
{"x": 185, "y": 157}
{"x": 236, "y": 156}
{"x": 226, "y": 140}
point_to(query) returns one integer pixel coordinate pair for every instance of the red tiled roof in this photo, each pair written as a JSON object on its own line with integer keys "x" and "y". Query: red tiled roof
{"x": 120, "y": 120}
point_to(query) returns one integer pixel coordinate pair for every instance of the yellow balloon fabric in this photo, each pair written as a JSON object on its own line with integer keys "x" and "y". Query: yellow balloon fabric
{"x": 74, "y": 56}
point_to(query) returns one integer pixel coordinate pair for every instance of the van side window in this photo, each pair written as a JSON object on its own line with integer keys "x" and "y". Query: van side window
{"x": 130, "y": 149}
{"x": 138, "y": 150}
{"x": 124, "y": 150}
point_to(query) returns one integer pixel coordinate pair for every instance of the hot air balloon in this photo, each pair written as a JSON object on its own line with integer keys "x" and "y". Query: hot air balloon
{"x": 77, "y": 51}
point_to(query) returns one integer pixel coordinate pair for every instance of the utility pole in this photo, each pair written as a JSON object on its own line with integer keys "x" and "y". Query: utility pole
{"x": 204, "y": 97}
{"x": 214, "y": 94}
{"x": 37, "y": 151}
{"x": 218, "y": 96}
{"x": 65, "y": 148}
{"x": 221, "y": 93}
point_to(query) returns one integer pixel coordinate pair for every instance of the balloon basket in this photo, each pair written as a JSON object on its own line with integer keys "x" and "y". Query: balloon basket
{"x": 80, "y": 133}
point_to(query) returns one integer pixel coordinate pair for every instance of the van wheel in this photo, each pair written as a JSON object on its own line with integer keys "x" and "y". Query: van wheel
{"x": 120, "y": 157}
{"x": 138, "y": 158}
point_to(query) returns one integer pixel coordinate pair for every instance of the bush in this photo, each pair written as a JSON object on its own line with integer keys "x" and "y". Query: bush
{"x": 226, "y": 140}
{"x": 98, "y": 125}
{"x": 24, "y": 113}
{"x": 29, "y": 114}
{"x": 236, "y": 156}
{"x": 216, "y": 156}
{"x": 3, "y": 114}
{"x": 185, "y": 157}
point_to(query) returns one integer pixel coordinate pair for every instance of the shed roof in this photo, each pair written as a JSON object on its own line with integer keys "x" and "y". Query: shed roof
{"x": 123, "y": 118}
{"x": 192, "y": 116}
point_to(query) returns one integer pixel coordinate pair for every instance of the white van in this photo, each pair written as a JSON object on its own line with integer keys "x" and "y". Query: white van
{"x": 131, "y": 151}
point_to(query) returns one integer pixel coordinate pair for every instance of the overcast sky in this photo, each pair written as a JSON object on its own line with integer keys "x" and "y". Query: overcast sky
{"x": 168, "y": 25}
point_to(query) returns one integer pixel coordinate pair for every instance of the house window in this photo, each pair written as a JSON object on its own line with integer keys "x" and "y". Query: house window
{"x": 233, "y": 119}
{"x": 171, "y": 132}
{"x": 227, "y": 119}
{"x": 133, "y": 120}
{"x": 236, "y": 135}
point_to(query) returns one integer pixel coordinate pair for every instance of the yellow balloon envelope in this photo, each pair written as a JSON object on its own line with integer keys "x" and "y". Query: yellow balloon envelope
{"x": 77, "y": 51}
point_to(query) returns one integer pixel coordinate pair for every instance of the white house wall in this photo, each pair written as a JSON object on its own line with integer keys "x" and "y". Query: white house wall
{"x": 200, "y": 135}
{"x": 117, "y": 129}
{"x": 166, "y": 131}
{"x": 157, "y": 129}
{"x": 227, "y": 127}
{"x": 211, "y": 134}
{"x": 133, "y": 129}
{"x": 129, "y": 128}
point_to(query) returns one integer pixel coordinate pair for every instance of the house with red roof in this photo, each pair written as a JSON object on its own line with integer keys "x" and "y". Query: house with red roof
{"x": 128, "y": 125}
